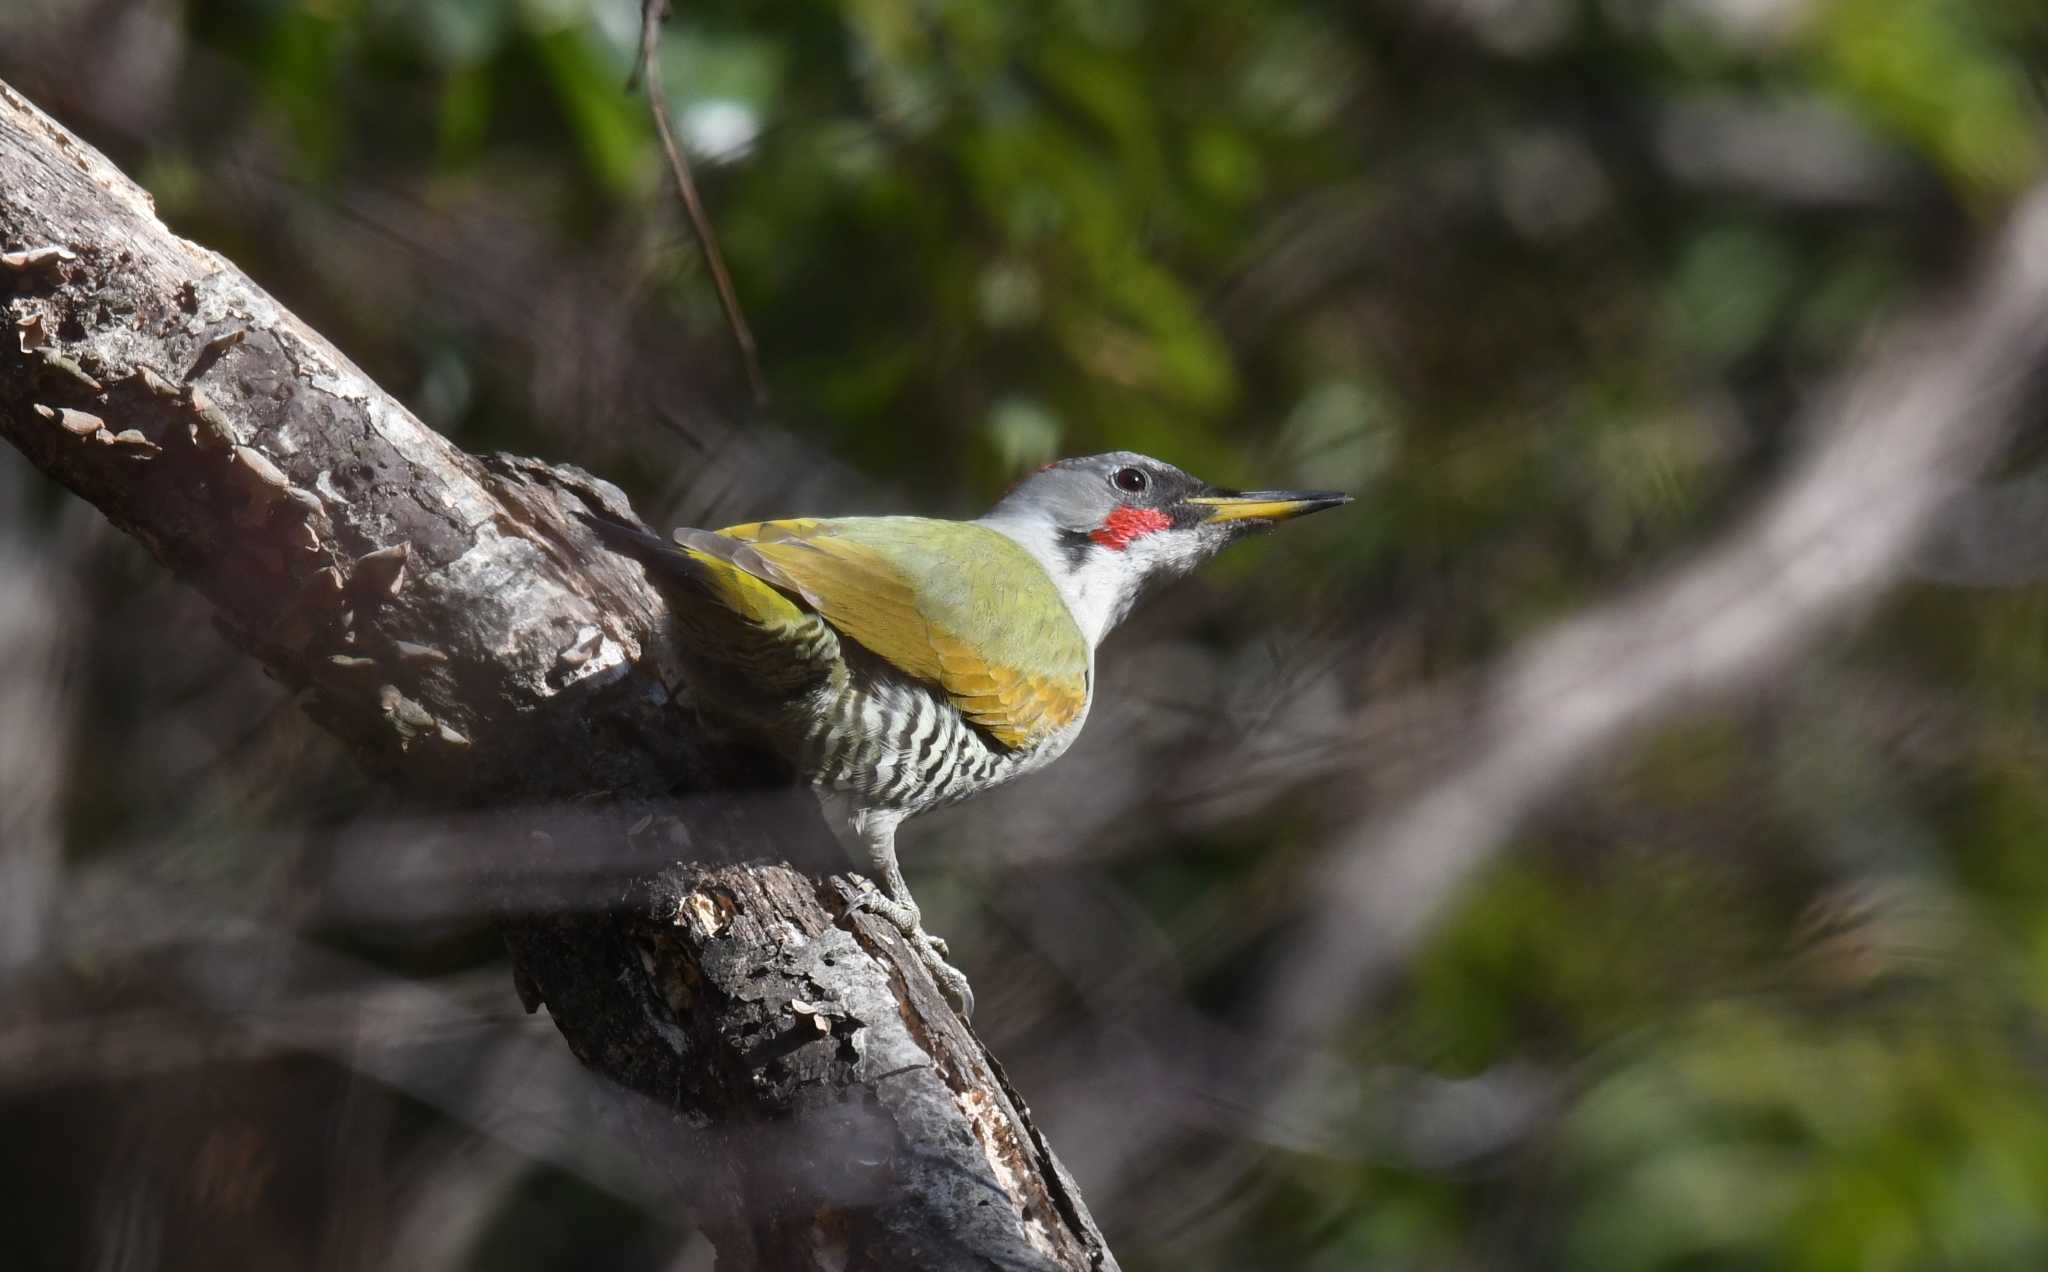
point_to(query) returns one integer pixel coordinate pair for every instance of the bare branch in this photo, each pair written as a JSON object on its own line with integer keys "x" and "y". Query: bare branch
{"x": 451, "y": 619}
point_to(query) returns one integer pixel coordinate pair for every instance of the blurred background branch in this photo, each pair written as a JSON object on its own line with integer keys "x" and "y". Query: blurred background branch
{"x": 1892, "y": 445}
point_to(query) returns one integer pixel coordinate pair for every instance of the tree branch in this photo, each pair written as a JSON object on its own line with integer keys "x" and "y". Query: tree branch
{"x": 799, "y": 1078}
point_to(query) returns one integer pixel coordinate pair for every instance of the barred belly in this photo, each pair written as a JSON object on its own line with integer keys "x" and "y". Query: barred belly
{"x": 899, "y": 745}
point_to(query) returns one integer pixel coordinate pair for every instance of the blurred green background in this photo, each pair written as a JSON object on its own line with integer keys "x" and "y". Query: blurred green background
{"x": 1548, "y": 283}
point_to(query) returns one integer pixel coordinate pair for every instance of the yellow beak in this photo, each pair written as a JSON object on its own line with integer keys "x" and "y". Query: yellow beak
{"x": 1268, "y": 505}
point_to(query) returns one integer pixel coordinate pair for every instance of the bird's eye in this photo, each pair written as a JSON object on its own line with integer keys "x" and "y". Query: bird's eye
{"x": 1131, "y": 481}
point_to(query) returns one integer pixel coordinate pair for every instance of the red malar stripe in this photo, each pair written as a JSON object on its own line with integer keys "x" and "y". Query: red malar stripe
{"x": 1128, "y": 523}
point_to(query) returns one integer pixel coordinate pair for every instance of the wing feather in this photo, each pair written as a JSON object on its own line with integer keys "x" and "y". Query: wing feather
{"x": 855, "y": 577}
{"x": 736, "y": 617}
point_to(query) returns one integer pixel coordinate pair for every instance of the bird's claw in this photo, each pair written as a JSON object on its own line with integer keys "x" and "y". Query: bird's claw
{"x": 932, "y": 951}
{"x": 950, "y": 978}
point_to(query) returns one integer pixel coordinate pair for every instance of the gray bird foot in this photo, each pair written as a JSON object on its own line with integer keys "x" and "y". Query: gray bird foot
{"x": 931, "y": 950}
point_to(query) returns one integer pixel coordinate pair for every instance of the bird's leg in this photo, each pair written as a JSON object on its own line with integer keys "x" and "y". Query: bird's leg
{"x": 894, "y": 903}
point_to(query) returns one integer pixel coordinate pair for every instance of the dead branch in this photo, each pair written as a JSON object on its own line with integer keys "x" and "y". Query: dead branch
{"x": 802, "y": 1086}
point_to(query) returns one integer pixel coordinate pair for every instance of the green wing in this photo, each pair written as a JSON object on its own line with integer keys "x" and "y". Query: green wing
{"x": 948, "y": 602}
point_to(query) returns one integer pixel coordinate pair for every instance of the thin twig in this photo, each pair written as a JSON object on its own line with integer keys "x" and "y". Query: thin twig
{"x": 652, "y": 14}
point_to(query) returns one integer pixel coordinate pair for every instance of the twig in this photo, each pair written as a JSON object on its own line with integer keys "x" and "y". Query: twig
{"x": 652, "y": 14}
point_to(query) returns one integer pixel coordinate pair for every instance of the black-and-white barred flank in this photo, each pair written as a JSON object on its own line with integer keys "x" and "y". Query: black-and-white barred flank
{"x": 899, "y": 744}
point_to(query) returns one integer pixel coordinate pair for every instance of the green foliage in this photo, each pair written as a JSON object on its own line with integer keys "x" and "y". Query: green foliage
{"x": 1748, "y": 1138}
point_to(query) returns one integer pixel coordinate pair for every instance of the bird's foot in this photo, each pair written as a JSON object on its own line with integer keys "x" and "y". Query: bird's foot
{"x": 931, "y": 950}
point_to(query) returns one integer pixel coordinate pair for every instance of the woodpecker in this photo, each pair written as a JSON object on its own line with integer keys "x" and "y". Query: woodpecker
{"x": 901, "y": 664}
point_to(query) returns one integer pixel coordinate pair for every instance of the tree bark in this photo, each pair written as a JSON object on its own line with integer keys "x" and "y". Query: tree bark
{"x": 787, "y": 1064}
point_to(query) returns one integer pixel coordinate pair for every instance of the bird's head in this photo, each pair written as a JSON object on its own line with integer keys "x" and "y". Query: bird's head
{"x": 1107, "y": 526}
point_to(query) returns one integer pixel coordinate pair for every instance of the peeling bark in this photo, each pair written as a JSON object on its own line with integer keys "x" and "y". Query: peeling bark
{"x": 800, "y": 1080}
